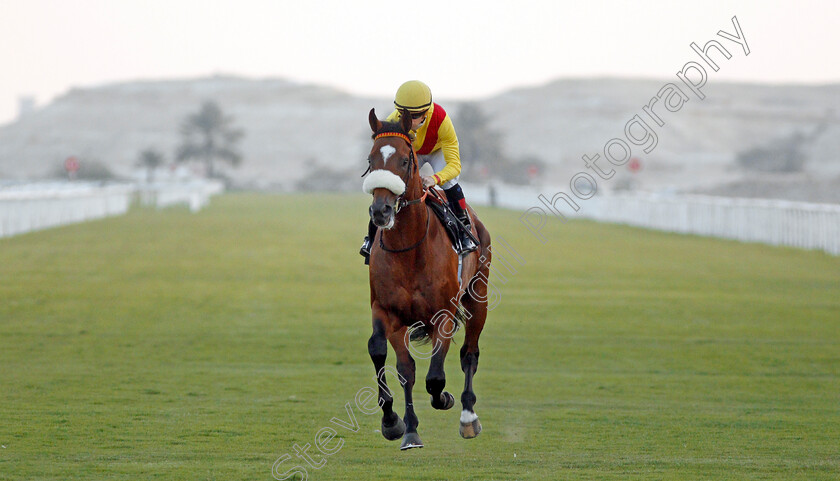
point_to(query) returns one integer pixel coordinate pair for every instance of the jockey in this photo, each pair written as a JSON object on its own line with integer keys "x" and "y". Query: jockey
{"x": 435, "y": 143}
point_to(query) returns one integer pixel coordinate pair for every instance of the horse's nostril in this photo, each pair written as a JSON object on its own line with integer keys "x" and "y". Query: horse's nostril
{"x": 386, "y": 209}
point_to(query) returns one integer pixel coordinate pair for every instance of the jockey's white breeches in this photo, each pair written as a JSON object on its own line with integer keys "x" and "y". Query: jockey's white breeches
{"x": 435, "y": 159}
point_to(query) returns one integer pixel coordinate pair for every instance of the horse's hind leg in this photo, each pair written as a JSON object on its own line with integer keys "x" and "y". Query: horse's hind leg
{"x": 470, "y": 426}
{"x": 436, "y": 378}
{"x": 392, "y": 426}
{"x": 406, "y": 369}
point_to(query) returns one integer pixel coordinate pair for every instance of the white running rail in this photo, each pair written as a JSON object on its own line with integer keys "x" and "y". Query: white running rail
{"x": 196, "y": 193}
{"x": 26, "y": 207}
{"x": 775, "y": 222}
{"x": 29, "y": 207}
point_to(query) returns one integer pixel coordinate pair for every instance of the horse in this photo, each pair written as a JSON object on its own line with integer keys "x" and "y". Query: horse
{"x": 415, "y": 289}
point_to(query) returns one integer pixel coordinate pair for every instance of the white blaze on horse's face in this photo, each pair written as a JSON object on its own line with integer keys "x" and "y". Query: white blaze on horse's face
{"x": 387, "y": 151}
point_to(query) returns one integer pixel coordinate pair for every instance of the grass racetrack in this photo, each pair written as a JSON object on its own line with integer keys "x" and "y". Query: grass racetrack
{"x": 170, "y": 345}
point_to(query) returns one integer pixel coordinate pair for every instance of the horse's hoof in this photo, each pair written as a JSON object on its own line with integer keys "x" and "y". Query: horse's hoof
{"x": 411, "y": 440}
{"x": 394, "y": 431}
{"x": 449, "y": 401}
{"x": 470, "y": 426}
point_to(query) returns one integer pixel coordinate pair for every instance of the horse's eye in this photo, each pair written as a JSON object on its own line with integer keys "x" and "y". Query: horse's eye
{"x": 405, "y": 161}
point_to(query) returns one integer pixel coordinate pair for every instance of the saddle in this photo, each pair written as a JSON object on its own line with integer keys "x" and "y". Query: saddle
{"x": 448, "y": 219}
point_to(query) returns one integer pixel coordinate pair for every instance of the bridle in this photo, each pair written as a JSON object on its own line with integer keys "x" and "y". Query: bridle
{"x": 401, "y": 202}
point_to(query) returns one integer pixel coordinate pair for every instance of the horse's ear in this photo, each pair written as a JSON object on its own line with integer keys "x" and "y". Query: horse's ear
{"x": 375, "y": 124}
{"x": 405, "y": 120}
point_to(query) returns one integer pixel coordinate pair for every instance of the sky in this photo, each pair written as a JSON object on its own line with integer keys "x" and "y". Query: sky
{"x": 462, "y": 49}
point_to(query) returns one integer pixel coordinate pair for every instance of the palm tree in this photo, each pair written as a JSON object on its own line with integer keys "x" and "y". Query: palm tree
{"x": 208, "y": 136}
{"x": 150, "y": 159}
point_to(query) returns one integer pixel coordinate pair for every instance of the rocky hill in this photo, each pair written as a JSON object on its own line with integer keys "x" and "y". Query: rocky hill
{"x": 296, "y": 132}
{"x": 289, "y": 127}
{"x": 698, "y": 145}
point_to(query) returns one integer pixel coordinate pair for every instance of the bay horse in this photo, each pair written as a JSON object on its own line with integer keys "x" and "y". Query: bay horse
{"x": 415, "y": 291}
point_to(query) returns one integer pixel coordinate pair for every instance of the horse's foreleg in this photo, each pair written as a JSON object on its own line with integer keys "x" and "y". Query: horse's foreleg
{"x": 436, "y": 378}
{"x": 406, "y": 369}
{"x": 470, "y": 426}
{"x": 392, "y": 426}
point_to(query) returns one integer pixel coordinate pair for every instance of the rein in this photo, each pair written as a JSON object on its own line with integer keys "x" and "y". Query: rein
{"x": 411, "y": 247}
{"x": 401, "y": 202}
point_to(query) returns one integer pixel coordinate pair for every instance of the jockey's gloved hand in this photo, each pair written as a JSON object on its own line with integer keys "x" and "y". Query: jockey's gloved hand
{"x": 429, "y": 181}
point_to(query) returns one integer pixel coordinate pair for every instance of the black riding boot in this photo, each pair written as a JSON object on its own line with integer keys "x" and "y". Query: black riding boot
{"x": 455, "y": 196}
{"x": 368, "y": 242}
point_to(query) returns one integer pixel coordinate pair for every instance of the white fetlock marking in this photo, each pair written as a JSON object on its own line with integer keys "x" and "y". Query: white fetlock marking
{"x": 468, "y": 417}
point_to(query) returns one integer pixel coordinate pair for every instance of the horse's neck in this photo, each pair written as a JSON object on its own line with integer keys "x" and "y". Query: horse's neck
{"x": 409, "y": 227}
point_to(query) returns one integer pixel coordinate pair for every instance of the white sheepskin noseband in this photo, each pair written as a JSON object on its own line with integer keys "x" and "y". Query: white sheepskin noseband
{"x": 383, "y": 179}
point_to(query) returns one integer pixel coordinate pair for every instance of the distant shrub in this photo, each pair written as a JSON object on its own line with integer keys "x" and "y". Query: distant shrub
{"x": 320, "y": 178}
{"x": 88, "y": 170}
{"x": 782, "y": 155}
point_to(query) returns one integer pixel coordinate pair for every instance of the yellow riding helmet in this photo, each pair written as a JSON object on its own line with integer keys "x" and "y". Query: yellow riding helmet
{"x": 414, "y": 96}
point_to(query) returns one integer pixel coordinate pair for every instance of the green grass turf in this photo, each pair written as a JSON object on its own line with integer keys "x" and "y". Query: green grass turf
{"x": 171, "y": 345}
